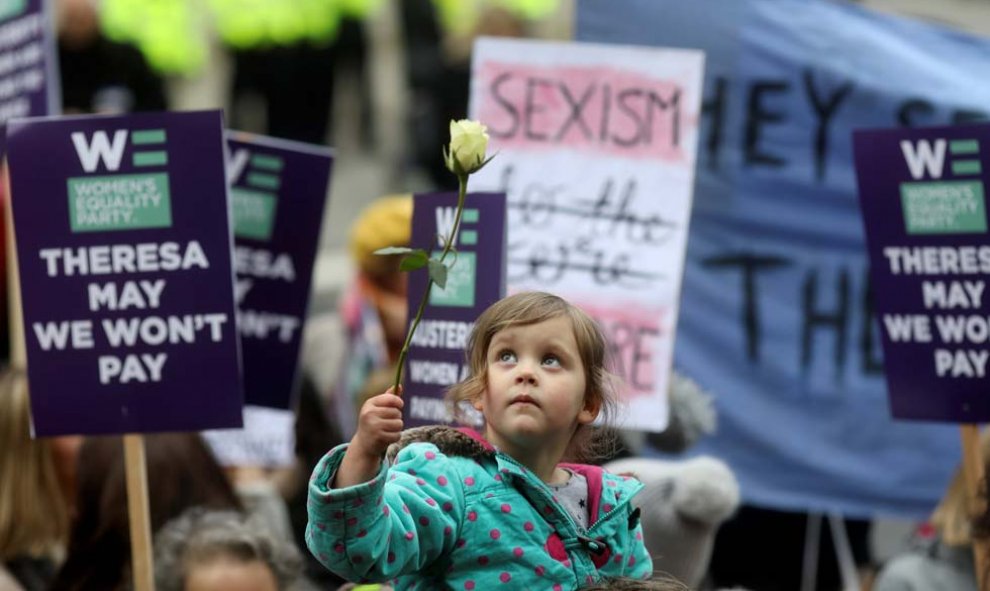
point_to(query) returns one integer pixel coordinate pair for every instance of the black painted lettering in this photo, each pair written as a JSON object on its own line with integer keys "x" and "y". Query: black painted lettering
{"x": 714, "y": 109}
{"x": 670, "y": 107}
{"x": 869, "y": 355}
{"x": 630, "y": 111}
{"x": 506, "y": 104}
{"x": 531, "y": 108}
{"x": 757, "y": 116}
{"x": 817, "y": 319}
{"x": 825, "y": 108}
{"x": 750, "y": 265}
{"x": 575, "y": 108}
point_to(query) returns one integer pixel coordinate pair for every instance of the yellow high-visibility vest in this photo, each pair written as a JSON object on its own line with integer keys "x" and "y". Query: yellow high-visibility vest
{"x": 166, "y": 31}
{"x": 257, "y": 23}
{"x": 461, "y": 16}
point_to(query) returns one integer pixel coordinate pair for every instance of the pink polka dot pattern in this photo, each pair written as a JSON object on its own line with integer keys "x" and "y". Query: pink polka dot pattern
{"x": 412, "y": 472}
{"x": 472, "y": 516}
{"x": 483, "y": 560}
{"x": 432, "y": 456}
{"x": 338, "y": 548}
{"x": 448, "y": 506}
{"x": 557, "y": 587}
{"x": 528, "y": 526}
{"x": 607, "y": 507}
{"x": 632, "y": 561}
{"x": 391, "y": 557}
{"x": 447, "y": 530}
{"x": 424, "y": 521}
{"x": 386, "y": 510}
{"x": 611, "y": 483}
{"x": 539, "y": 570}
{"x": 495, "y": 534}
{"x": 351, "y": 521}
{"x": 410, "y": 535}
{"x": 505, "y": 577}
{"x": 517, "y": 551}
{"x": 461, "y": 542}
{"x": 469, "y": 584}
{"x": 469, "y": 481}
{"x": 498, "y": 477}
{"x": 420, "y": 481}
{"x": 639, "y": 536}
{"x": 442, "y": 480}
{"x": 405, "y": 508}
{"x": 362, "y": 533}
{"x": 506, "y": 508}
{"x": 618, "y": 559}
{"x": 431, "y": 502}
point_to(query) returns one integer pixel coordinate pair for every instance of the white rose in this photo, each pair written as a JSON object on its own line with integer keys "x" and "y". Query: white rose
{"x": 468, "y": 142}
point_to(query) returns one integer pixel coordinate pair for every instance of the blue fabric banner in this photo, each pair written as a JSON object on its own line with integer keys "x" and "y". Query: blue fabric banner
{"x": 776, "y": 318}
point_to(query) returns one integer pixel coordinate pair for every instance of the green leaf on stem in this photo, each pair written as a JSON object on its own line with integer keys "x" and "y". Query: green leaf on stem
{"x": 416, "y": 259}
{"x": 438, "y": 273}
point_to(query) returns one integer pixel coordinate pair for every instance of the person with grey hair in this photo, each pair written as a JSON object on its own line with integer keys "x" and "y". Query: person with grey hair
{"x": 204, "y": 550}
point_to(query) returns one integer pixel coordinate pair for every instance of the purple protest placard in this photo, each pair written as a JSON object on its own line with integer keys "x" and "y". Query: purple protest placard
{"x": 278, "y": 192}
{"x": 923, "y": 197}
{"x": 475, "y": 281}
{"x": 124, "y": 250}
{"x": 28, "y": 72}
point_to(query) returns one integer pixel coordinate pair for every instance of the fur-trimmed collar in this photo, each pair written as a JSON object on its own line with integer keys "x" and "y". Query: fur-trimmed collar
{"x": 462, "y": 442}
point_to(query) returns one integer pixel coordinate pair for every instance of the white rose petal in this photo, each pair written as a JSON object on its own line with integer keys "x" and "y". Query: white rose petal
{"x": 468, "y": 143}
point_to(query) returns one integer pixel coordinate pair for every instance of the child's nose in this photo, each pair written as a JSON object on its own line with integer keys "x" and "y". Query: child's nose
{"x": 525, "y": 374}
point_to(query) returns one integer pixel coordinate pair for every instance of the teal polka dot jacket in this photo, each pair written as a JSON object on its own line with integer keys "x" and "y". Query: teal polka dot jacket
{"x": 453, "y": 513}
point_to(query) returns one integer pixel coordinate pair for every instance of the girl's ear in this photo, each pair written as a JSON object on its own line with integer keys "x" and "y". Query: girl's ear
{"x": 477, "y": 402}
{"x": 592, "y": 406}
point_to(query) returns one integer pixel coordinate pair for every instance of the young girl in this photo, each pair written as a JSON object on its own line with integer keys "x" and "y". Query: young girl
{"x": 460, "y": 510}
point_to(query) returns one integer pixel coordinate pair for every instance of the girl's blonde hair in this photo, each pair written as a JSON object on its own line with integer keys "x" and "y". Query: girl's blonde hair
{"x": 34, "y": 516}
{"x": 533, "y": 307}
{"x": 952, "y": 518}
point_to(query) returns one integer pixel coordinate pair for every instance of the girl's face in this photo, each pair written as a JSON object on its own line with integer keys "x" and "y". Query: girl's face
{"x": 231, "y": 575}
{"x": 536, "y": 385}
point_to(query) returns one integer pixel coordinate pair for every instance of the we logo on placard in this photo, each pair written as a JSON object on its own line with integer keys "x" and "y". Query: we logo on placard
{"x": 938, "y": 206}
{"x": 460, "y": 288}
{"x": 254, "y": 179}
{"x": 126, "y": 200}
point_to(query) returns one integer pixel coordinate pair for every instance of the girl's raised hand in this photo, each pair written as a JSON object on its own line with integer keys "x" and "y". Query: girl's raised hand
{"x": 379, "y": 425}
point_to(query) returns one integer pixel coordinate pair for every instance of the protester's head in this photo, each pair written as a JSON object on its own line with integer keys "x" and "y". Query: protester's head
{"x": 182, "y": 473}
{"x": 386, "y": 222}
{"x": 34, "y": 516}
{"x": 952, "y": 519}
{"x": 559, "y": 340}
{"x": 658, "y": 582}
{"x": 206, "y": 550}
{"x": 78, "y": 22}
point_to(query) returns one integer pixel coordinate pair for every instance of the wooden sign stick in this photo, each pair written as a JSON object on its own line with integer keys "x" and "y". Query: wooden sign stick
{"x": 142, "y": 564}
{"x": 15, "y": 316}
{"x": 973, "y": 470}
